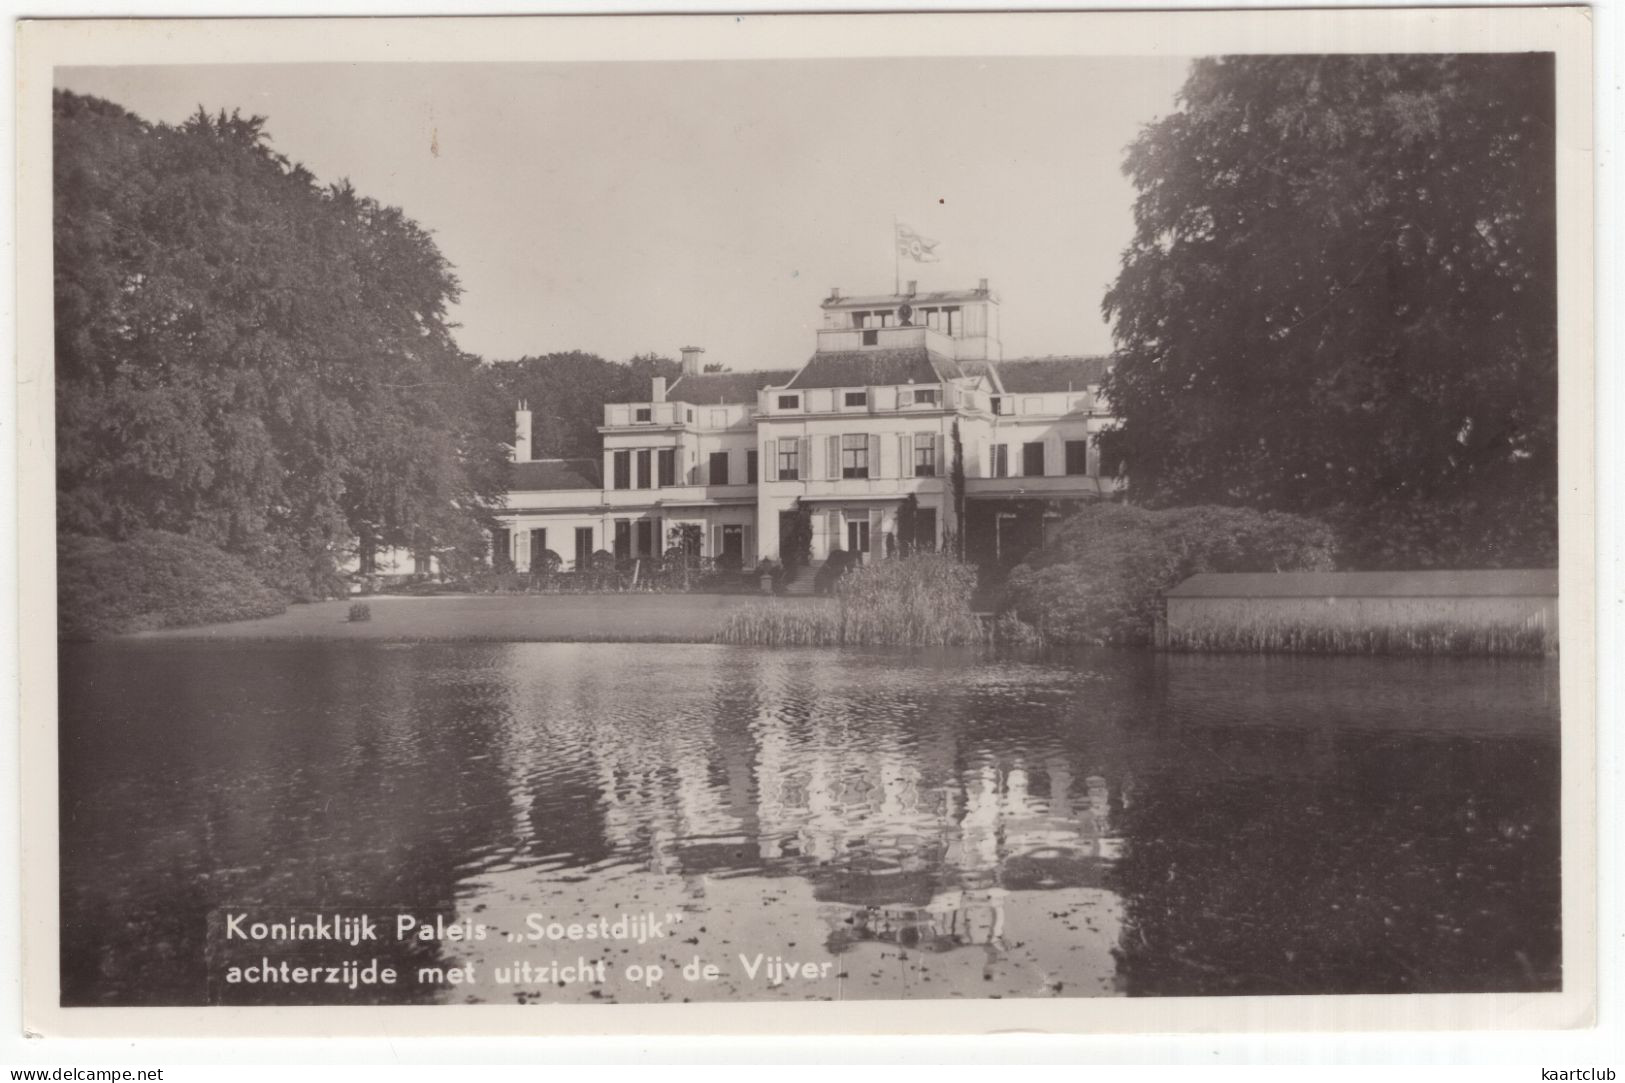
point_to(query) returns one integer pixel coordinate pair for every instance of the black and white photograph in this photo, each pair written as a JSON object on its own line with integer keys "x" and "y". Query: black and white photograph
{"x": 1045, "y": 526}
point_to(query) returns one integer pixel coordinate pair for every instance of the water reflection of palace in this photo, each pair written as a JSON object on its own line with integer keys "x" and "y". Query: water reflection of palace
{"x": 908, "y": 829}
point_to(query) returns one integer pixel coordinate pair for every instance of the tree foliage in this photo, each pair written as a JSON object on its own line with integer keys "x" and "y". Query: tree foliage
{"x": 566, "y": 392}
{"x": 1103, "y": 579}
{"x": 250, "y": 358}
{"x": 1340, "y": 298}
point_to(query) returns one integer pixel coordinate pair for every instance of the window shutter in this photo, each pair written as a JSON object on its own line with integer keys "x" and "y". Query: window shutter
{"x": 834, "y": 531}
{"x": 769, "y": 469}
{"x": 939, "y": 455}
{"x": 832, "y": 457}
{"x": 805, "y": 459}
{"x": 716, "y": 540}
{"x": 750, "y": 544}
{"x": 905, "y": 455}
{"x": 874, "y": 456}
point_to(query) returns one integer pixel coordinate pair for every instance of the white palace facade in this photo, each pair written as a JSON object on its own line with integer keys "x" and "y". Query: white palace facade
{"x": 866, "y": 422}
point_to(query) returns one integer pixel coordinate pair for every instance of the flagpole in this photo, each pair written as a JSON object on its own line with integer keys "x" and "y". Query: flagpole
{"x": 896, "y": 260}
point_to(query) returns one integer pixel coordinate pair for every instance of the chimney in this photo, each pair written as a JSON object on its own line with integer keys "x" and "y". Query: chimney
{"x": 521, "y": 433}
{"x": 913, "y": 288}
{"x": 657, "y": 390}
{"x": 691, "y": 360}
{"x": 981, "y": 287}
{"x": 835, "y": 293}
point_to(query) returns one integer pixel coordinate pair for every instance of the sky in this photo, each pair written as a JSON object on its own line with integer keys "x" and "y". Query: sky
{"x": 634, "y": 207}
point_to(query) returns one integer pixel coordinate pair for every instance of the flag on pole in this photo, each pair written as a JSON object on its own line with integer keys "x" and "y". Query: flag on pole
{"x": 915, "y": 247}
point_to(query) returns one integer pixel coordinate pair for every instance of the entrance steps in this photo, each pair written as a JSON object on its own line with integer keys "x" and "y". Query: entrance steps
{"x": 800, "y": 581}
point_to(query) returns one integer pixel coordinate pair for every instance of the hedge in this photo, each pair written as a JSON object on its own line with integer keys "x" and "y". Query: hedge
{"x": 153, "y": 580}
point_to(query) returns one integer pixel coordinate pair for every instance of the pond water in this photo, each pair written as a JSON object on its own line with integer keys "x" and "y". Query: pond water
{"x": 813, "y": 824}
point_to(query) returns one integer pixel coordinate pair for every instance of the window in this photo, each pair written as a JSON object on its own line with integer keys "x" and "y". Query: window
{"x": 623, "y": 539}
{"x": 925, "y": 455}
{"x": 857, "y": 398}
{"x": 623, "y": 470}
{"x": 1001, "y": 460}
{"x": 871, "y": 338}
{"x": 666, "y": 464}
{"x": 645, "y": 477}
{"x": 1077, "y": 456}
{"x": 691, "y": 417}
{"x": 644, "y": 413}
{"x": 860, "y": 319}
{"x": 789, "y": 402}
{"x": 925, "y": 396}
{"x": 583, "y": 548}
{"x": 857, "y": 535}
{"x": 855, "y": 456}
{"x": 789, "y": 460}
{"x": 998, "y": 404}
{"x": 750, "y": 467}
{"x": 719, "y": 468}
{"x": 646, "y": 537}
{"x": 925, "y": 528}
{"x": 1032, "y": 460}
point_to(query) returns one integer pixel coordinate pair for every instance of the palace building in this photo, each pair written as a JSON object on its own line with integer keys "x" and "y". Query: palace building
{"x": 865, "y": 423}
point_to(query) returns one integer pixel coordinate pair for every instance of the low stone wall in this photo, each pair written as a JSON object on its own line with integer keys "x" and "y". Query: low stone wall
{"x": 1466, "y": 625}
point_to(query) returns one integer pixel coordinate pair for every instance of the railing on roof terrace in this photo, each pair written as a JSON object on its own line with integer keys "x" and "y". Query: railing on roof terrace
{"x": 617, "y": 414}
{"x": 894, "y": 337}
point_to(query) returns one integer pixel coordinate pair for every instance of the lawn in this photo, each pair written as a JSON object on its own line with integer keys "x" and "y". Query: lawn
{"x": 681, "y": 618}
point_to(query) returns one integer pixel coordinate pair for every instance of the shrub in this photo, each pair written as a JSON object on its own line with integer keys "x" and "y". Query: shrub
{"x": 1103, "y": 579}
{"x": 153, "y": 580}
{"x": 919, "y": 601}
{"x": 830, "y": 572}
{"x": 360, "y": 611}
{"x": 795, "y": 547}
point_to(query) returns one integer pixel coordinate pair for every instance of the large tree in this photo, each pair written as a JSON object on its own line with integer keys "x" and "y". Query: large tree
{"x": 250, "y": 358}
{"x": 1340, "y": 298}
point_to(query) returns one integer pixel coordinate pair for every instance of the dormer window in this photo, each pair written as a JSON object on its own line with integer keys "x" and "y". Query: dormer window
{"x": 857, "y": 398}
{"x": 925, "y": 396}
{"x": 643, "y": 413}
{"x": 789, "y": 402}
{"x": 871, "y": 338}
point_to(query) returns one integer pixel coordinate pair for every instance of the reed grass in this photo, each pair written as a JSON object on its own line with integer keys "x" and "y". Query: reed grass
{"x": 920, "y": 600}
{"x": 1435, "y": 637}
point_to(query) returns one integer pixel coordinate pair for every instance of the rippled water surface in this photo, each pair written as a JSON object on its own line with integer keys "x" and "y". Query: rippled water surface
{"x": 891, "y": 825}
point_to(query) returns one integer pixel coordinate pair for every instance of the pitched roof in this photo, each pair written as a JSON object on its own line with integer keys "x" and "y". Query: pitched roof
{"x": 1495, "y": 583}
{"x": 869, "y": 368}
{"x": 1031, "y": 375}
{"x": 714, "y": 387}
{"x": 536, "y": 475}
